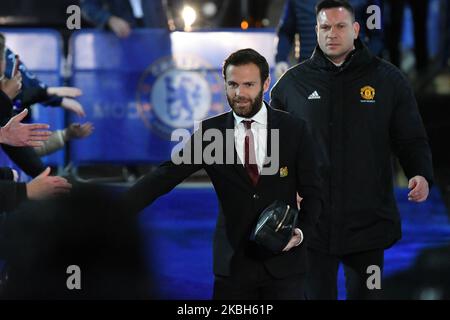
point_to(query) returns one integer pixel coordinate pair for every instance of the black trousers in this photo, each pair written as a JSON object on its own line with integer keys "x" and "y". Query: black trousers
{"x": 419, "y": 10}
{"x": 321, "y": 280}
{"x": 249, "y": 280}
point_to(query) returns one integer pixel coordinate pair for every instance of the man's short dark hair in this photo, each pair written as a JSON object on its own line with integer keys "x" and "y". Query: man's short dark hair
{"x": 329, "y": 4}
{"x": 247, "y": 56}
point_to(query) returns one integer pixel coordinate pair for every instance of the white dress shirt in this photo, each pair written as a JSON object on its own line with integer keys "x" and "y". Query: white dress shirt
{"x": 259, "y": 130}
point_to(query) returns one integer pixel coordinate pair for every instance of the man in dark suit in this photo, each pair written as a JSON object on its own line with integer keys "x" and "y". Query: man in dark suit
{"x": 258, "y": 155}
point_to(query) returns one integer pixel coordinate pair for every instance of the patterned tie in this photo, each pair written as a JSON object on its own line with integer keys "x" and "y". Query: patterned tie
{"x": 249, "y": 153}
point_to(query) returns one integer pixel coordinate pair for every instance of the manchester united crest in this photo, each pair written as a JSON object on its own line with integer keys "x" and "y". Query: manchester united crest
{"x": 367, "y": 94}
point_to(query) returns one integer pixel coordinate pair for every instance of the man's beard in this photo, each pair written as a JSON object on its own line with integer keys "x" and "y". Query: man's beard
{"x": 248, "y": 112}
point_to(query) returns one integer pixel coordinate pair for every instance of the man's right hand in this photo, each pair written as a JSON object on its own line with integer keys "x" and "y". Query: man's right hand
{"x": 19, "y": 134}
{"x": 119, "y": 26}
{"x": 45, "y": 186}
{"x": 11, "y": 87}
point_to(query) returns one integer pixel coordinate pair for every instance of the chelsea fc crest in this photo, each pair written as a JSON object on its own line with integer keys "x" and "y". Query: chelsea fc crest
{"x": 176, "y": 92}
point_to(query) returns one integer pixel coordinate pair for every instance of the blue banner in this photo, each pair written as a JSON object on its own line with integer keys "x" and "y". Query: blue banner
{"x": 139, "y": 89}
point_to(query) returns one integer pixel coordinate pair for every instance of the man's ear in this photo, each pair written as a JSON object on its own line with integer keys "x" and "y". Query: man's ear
{"x": 356, "y": 28}
{"x": 266, "y": 84}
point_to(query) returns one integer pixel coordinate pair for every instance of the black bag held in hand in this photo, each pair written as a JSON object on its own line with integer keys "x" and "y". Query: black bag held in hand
{"x": 275, "y": 226}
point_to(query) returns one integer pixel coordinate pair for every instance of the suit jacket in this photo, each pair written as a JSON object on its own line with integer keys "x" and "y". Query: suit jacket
{"x": 240, "y": 202}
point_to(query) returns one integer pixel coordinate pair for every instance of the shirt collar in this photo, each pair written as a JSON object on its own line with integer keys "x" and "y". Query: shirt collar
{"x": 260, "y": 117}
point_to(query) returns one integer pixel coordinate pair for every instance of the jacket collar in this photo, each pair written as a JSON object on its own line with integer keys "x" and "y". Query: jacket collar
{"x": 272, "y": 119}
{"x": 360, "y": 56}
{"x": 260, "y": 117}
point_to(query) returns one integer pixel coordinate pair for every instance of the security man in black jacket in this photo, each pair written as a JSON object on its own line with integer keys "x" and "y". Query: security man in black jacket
{"x": 361, "y": 110}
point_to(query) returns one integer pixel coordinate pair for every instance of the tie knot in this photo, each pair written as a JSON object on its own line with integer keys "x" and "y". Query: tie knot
{"x": 248, "y": 124}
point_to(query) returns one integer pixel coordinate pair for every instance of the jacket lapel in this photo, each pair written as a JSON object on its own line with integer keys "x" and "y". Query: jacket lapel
{"x": 272, "y": 123}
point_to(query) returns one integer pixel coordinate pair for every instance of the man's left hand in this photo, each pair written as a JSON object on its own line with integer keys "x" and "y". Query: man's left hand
{"x": 295, "y": 241}
{"x": 419, "y": 189}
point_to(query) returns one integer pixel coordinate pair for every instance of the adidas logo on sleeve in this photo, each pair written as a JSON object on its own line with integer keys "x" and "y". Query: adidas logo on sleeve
{"x": 313, "y": 96}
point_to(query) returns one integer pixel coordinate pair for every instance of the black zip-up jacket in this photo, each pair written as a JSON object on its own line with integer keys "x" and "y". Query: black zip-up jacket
{"x": 360, "y": 114}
